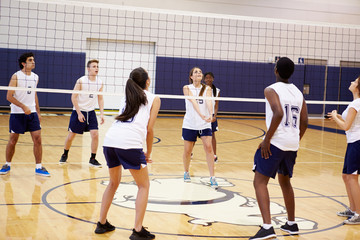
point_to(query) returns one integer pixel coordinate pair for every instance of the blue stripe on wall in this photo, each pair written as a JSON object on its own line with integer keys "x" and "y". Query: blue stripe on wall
{"x": 347, "y": 76}
{"x": 314, "y": 76}
{"x": 58, "y": 70}
{"x": 235, "y": 79}
{"x": 248, "y": 80}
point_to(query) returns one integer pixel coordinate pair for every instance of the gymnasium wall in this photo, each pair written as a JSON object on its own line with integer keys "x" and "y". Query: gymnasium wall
{"x": 262, "y": 75}
{"x": 56, "y": 69}
{"x": 239, "y": 50}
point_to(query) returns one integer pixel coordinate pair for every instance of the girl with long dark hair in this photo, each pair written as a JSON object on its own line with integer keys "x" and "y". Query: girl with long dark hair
{"x": 123, "y": 147}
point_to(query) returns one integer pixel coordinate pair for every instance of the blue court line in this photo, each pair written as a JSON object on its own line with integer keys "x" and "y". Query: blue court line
{"x": 49, "y": 205}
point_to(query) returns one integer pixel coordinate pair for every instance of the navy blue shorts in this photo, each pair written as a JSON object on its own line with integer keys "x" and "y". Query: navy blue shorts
{"x": 128, "y": 158}
{"x": 279, "y": 162}
{"x": 352, "y": 158}
{"x": 21, "y": 123}
{"x": 192, "y": 135}
{"x": 214, "y": 126}
{"x": 78, "y": 127}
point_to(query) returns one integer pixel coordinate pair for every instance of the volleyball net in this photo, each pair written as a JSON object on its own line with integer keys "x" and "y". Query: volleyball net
{"x": 240, "y": 51}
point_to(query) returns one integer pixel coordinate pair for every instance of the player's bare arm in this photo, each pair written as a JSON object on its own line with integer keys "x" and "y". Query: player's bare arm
{"x": 101, "y": 105}
{"x": 187, "y": 92}
{"x": 278, "y": 113}
{"x": 303, "y": 119}
{"x": 74, "y": 100}
{"x": 10, "y": 96}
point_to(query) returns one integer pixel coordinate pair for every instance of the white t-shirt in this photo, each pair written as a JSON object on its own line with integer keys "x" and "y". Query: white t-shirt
{"x": 132, "y": 133}
{"x": 212, "y": 94}
{"x": 192, "y": 120}
{"x": 87, "y": 102}
{"x": 353, "y": 134}
{"x": 287, "y": 135}
{"x": 25, "y": 97}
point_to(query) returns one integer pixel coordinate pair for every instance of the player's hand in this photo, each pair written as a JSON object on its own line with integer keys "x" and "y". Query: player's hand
{"x": 328, "y": 115}
{"x": 213, "y": 119}
{"x": 148, "y": 158}
{"x": 39, "y": 116}
{"x": 102, "y": 119}
{"x": 265, "y": 149}
{"x": 81, "y": 117}
{"x": 207, "y": 119}
{"x": 26, "y": 110}
{"x": 333, "y": 114}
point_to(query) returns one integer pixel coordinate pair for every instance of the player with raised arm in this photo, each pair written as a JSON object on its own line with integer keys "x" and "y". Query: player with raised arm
{"x": 350, "y": 122}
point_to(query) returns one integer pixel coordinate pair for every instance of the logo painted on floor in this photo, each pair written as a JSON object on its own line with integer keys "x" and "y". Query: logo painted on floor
{"x": 202, "y": 203}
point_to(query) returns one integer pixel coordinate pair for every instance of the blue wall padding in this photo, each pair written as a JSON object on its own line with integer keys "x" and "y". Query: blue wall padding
{"x": 57, "y": 70}
{"x": 60, "y": 70}
{"x": 315, "y": 77}
{"x": 332, "y": 88}
{"x": 248, "y": 80}
{"x": 347, "y": 76}
{"x": 235, "y": 79}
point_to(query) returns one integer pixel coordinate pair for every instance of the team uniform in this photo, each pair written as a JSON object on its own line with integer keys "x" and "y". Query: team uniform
{"x": 193, "y": 125}
{"x": 214, "y": 125}
{"x": 87, "y": 103}
{"x": 285, "y": 141}
{"x": 123, "y": 143}
{"x": 19, "y": 121}
{"x": 352, "y": 156}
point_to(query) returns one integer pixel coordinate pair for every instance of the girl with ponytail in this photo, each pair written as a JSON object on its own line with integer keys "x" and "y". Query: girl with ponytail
{"x": 123, "y": 147}
{"x": 209, "y": 81}
{"x": 197, "y": 123}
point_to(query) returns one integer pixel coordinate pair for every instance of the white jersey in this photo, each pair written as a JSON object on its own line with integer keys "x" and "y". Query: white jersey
{"x": 132, "y": 133}
{"x": 353, "y": 134}
{"x": 25, "y": 97}
{"x": 192, "y": 120}
{"x": 287, "y": 135}
{"x": 212, "y": 94}
{"x": 87, "y": 102}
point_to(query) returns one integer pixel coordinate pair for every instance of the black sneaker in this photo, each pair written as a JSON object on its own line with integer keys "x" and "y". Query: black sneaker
{"x": 264, "y": 234}
{"x": 216, "y": 159}
{"x": 346, "y": 213}
{"x": 142, "y": 235}
{"x": 94, "y": 163}
{"x": 63, "y": 159}
{"x": 293, "y": 229}
{"x": 103, "y": 228}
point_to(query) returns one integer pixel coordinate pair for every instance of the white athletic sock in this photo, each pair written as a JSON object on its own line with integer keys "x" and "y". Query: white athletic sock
{"x": 38, "y": 166}
{"x": 266, "y": 226}
{"x": 290, "y": 223}
{"x": 8, "y": 163}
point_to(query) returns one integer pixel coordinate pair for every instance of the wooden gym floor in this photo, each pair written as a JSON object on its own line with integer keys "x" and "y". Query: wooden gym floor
{"x": 66, "y": 205}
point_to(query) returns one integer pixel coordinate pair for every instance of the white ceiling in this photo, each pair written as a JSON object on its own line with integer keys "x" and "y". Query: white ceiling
{"x": 329, "y": 11}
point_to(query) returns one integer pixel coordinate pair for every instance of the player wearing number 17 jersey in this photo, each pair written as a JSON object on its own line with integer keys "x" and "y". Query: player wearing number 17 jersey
{"x": 286, "y": 122}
